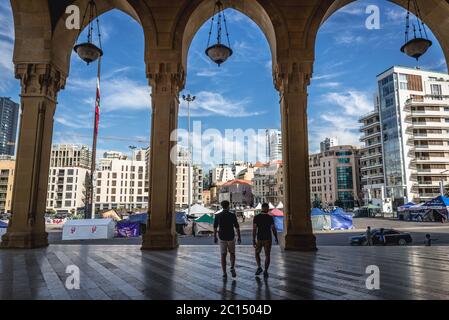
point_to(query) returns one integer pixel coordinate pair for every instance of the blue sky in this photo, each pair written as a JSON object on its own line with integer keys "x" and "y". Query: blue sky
{"x": 240, "y": 94}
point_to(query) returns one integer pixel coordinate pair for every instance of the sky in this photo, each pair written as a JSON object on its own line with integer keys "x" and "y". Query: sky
{"x": 238, "y": 95}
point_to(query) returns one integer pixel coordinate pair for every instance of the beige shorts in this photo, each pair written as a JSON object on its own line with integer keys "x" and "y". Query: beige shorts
{"x": 226, "y": 246}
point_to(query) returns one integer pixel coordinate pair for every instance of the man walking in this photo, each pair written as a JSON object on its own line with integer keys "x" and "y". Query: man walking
{"x": 224, "y": 223}
{"x": 369, "y": 236}
{"x": 263, "y": 226}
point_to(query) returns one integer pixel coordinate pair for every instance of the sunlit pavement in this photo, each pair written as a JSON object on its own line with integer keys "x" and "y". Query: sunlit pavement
{"x": 193, "y": 272}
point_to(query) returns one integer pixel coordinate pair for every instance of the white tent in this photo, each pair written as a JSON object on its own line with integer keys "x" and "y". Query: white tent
{"x": 280, "y": 205}
{"x": 271, "y": 206}
{"x": 258, "y": 207}
{"x": 88, "y": 229}
{"x": 198, "y": 210}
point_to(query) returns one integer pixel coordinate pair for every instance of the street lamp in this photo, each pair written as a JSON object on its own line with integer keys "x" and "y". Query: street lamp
{"x": 132, "y": 148}
{"x": 189, "y": 99}
{"x": 442, "y": 191}
{"x": 419, "y": 45}
{"x": 219, "y": 52}
{"x": 88, "y": 51}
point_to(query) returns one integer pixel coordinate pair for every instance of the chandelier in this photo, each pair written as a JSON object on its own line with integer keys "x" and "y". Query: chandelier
{"x": 88, "y": 51}
{"x": 219, "y": 52}
{"x": 420, "y": 43}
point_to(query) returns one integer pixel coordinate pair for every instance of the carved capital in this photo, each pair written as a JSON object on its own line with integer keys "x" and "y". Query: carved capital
{"x": 166, "y": 77}
{"x": 40, "y": 79}
{"x": 293, "y": 77}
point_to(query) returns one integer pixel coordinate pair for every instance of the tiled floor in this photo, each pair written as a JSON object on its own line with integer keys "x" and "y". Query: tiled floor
{"x": 193, "y": 272}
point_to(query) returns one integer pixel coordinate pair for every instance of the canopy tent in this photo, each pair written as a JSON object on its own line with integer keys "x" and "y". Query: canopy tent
{"x": 181, "y": 218}
{"x": 436, "y": 209}
{"x": 321, "y": 220}
{"x": 140, "y": 217}
{"x": 111, "y": 214}
{"x": 271, "y": 206}
{"x": 204, "y": 224}
{"x": 3, "y": 227}
{"x": 258, "y": 207}
{"x": 280, "y": 205}
{"x": 406, "y": 206}
{"x": 278, "y": 217}
{"x": 340, "y": 220}
{"x": 198, "y": 210}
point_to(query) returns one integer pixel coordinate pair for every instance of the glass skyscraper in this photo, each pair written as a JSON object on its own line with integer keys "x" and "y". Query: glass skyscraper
{"x": 9, "y": 117}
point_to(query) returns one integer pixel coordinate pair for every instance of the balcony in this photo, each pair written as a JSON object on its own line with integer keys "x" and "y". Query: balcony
{"x": 373, "y": 176}
{"x": 370, "y": 166}
{"x": 429, "y": 160}
{"x": 370, "y": 136}
{"x": 369, "y": 115}
{"x": 371, "y": 125}
{"x": 371, "y": 155}
{"x": 428, "y": 100}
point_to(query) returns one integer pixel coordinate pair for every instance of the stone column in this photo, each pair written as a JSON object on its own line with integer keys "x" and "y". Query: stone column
{"x": 292, "y": 80}
{"x": 40, "y": 84}
{"x": 165, "y": 79}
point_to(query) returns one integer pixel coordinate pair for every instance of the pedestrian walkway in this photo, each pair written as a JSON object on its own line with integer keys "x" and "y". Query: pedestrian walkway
{"x": 193, "y": 272}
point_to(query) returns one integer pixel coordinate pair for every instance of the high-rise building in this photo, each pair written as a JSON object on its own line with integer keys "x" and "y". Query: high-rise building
{"x": 328, "y": 143}
{"x": 371, "y": 161}
{"x": 68, "y": 179}
{"x": 7, "y": 167}
{"x": 120, "y": 182}
{"x": 9, "y": 117}
{"x": 414, "y": 124}
{"x": 334, "y": 176}
{"x": 182, "y": 181}
{"x": 274, "y": 144}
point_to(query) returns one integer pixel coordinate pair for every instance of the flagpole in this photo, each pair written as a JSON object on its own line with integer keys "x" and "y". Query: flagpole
{"x": 94, "y": 143}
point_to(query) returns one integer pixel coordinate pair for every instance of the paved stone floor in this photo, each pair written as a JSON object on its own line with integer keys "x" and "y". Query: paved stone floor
{"x": 193, "y": 272}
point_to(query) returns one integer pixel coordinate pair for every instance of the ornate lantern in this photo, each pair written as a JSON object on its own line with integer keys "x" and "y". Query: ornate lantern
{"x": 219, "y": 52}
{"x": 88, "y": 51}
{"x": 419, "y": 45}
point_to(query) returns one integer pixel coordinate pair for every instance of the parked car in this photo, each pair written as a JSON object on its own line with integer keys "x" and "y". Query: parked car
{"x": 392, "y": 237}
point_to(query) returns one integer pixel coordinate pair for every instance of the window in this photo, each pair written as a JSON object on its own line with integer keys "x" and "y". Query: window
{"x": 435, "y": 90}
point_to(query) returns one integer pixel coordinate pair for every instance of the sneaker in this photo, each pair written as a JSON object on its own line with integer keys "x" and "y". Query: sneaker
{"x": 265, "y": 274}
{"x": 233, "y": 273}
{"x": 225, "y": 275}
{"x": 259, "y": 271}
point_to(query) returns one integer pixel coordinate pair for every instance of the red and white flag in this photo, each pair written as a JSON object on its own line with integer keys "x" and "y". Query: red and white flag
{"x": 97, "y": 107}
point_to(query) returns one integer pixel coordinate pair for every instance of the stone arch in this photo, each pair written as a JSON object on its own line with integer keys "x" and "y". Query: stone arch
{"x": 31, "y": 46}
{"x": 265, "y": 15}
{"x": 435, "y": 14}
{"x": 63, "y": 40}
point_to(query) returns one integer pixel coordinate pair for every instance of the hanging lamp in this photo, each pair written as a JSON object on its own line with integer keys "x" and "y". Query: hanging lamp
{"x": 420, "y": 43}
{"x": 88, "y": 51}
{"x": 219, "y": 52}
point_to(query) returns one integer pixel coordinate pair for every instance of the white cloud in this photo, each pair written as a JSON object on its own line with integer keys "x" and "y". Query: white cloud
{"x": 342, "y": 121}
{"x": 353, "y": 103}
{"x": 119, "y": 93}
{"x": 348, "y": 38}
{"x": 215, "y": 104}
{"x": 330, "y": 84}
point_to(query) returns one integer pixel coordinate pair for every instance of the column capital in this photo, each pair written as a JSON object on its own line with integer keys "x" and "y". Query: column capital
{"x": 293, "y": 76}
{"x": 39, "y": 80}
{"x": 166, "y": 77}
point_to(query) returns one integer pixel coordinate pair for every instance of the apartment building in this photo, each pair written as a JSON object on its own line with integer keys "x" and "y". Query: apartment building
{"x": 335, "y": 177}
{"x": 120, "y": 182}
{"x": 182, "y": 182}
{"x": 7, "y": 167}
{"x": 68, "y": 178}
{"x": 371, "y": 161}
{"x": 413, "y": 114}
{"x": 265, "y": 183}
{"x": 274, "y": 144}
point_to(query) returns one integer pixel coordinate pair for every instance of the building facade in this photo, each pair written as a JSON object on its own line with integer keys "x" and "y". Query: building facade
{"x": 413, "y": 114}
{"x": 237, "y": 192}
{"x": 9, "y": 118}
{"x": 328, "y": 143}
{"x": 7, "y": 167}
{"x": 69, "y": 177}
{"x": 371, "y": 161}
{"x": 274, "y": 144}
{"x": 335, "y": 177}
{"x": 120, "y": 182}
{"x": 182, "y": 182}
{"x": 265, "y": 183}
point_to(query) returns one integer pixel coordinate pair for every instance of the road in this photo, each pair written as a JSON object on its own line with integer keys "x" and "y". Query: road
{"x": 417, "y": 230}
